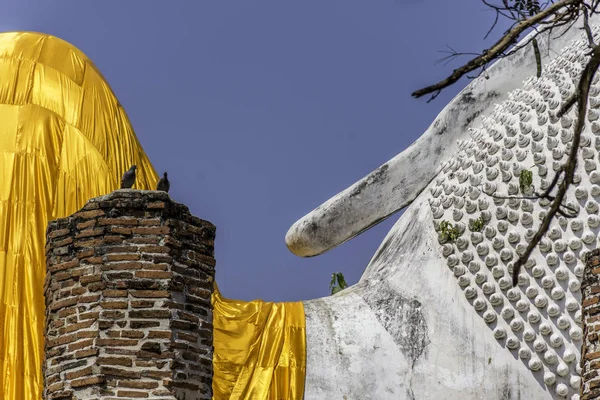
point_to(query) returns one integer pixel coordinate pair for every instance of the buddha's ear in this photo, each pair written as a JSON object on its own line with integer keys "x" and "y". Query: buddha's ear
{"x": 397, "y": 183}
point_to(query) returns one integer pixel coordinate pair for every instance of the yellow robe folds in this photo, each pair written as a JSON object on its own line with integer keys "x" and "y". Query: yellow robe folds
{"x": 64, "y": 138}
{"x": 260, "y": 349}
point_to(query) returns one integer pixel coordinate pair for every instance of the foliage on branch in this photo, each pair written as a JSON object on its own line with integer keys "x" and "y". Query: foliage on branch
{"x": 476, "y": 225}
{"x": 448, "y": 232}
{"x": 525, "y": 180}
{"x": 338, "y": 282}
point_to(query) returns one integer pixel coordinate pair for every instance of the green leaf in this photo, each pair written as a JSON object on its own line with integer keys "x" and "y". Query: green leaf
{"x": 476, "y": 225}
{"x": 333, "y": 277}
{"x": 337, "y": 282}
{"x": 448, "y": 231}
{"x": 341, "y": 281}
{"x": 525, "y": 180}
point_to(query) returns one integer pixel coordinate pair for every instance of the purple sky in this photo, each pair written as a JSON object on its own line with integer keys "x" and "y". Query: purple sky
{"x": 260, "y": 111}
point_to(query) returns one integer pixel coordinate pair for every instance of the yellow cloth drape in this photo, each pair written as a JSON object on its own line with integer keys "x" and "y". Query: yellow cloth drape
{"x": 64, "y": 138}
{"x": 259, "y": 349}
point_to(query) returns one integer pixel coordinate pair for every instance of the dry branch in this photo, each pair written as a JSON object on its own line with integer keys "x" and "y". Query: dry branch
{"x": 507, "y": 40}
{"x": 583, "y": 89}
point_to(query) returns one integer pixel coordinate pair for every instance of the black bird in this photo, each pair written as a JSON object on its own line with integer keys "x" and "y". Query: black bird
{"x": 128, "y": 178}
{"x": 163, "y": 183}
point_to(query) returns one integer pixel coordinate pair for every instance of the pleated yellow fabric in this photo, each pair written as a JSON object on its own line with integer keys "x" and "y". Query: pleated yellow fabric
{"x": 64, "y": 138}
{"x": 259, "y": 349}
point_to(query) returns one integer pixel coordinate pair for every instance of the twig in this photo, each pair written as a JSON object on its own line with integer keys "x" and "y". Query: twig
{"x": 568, "y": 104}
{"x": 583, "y": 89}
{"x": 586, "y": 27}
{"x": 498, "y": 48}
{"x": 538, "y": 57}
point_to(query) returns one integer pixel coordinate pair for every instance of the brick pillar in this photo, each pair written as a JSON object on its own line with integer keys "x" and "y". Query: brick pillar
{"x": 590, "y": 349}
{"x": 128, "y": 311}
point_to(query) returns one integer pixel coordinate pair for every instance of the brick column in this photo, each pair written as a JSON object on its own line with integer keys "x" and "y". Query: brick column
{"x": 590, "y": 349}
{"x": 128, "y": 311}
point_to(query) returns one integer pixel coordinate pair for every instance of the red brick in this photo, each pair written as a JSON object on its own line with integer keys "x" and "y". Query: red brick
{"x": 89, "y": 243}
{"x": 150, "y": 293}
{"x": 118, "y": 221}
{"x": 121, "y": 361}
{"x": 93, "y": 260}
{"x": 150, "y": 222}
{"x": 122, "y": 257}
{"x": 63, "y": 339}
{"x": 154, "y": 249}
{"x": 159, "y": 335}
{"x": 89, "y": 233}
{"x": 55, "y": 387}
{"x": 94, "y": 380}
{"x": 156, "y": 205}
{"x": 114, "y": 305}
{"x": 122, "y": 266}
{"x": 63, "y": 266}
{"x": 86, "y": 353}
{"x": 65, "y": 312}
{"x": 121, "y": 372}
{"x": 138, "y": 384}
{"x": 81, "y": 344}
{"x": 89, "y": 315}
{"x": 88, "y": 214}
{"x": 159, "y": 230}
{"x": 86, "y": 224}
{"x": 133, "y": 334}
{"x": 132, "y": 393}
{"x": 112, "y": 239}
{"x": 79, "y": 373}
{"x": 114, "y": 293}
{"x": 89, "y": 299}
{"x": 153, "y": 274}
{"x": 58, "y": 233}
{"x": 119, "y": 230}
{"x": 78, "y": 326}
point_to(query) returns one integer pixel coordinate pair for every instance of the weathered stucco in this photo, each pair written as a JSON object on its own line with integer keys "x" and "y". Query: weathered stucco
{"x": 424, "y": 322}
{"x": 395, "y": 184}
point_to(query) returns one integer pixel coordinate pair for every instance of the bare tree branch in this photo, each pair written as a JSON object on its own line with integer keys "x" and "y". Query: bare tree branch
{"x": 538, "y": 57}
{"x": 509, "y": 39}
{"x": 542, "y": 18}
{"x": 452, "y": 54}
{"x": 587, "y": 29}
{"x": 568, "y": 104}
{"x": 583, "y": 89}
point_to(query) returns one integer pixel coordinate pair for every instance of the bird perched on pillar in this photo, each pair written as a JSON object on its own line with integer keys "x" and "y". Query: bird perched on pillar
{"x": 163, "y": 183}
{"x": 128, "y": 178}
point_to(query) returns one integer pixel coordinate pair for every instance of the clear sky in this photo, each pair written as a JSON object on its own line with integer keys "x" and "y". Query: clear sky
{"x": 262, "y": 110}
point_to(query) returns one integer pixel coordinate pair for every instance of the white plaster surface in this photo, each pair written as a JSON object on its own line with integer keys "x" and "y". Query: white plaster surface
{"x": 422, "y": 324}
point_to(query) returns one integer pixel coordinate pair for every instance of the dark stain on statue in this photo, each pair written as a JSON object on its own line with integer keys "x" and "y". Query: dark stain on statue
{"x": 468, "y": 98}
{"x": 379, "y": 175}
{"x": 506, "y": 393}
{"x": 403, "y": 318}
{"x": 507, "y": 385}
{"x": 471, "y": 117}
{"x": 436, "y": 126}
